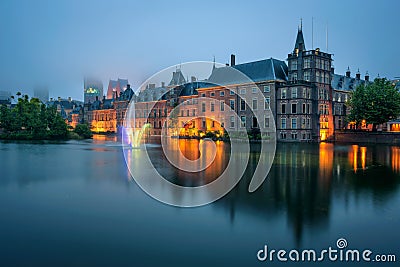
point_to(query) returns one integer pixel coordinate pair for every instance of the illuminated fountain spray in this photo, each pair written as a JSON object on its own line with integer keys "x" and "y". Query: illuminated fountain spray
{"x": 130, "y": 135}
{"x": 135, "y": 135}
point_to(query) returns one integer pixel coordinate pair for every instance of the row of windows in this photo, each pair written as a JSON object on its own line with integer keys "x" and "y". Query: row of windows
{"x": 306, "y": 108}
{"x": 294, "y": 136}
{"x": 155, "y": 113}
{"x": 254, "y": 103}
{"x": 305, "y": 123}
{"x": 254, "y": 124}
{"x": 242, "y": 91}
{"x": 293, "y": 92}
{"x": 319, "y": 63}
{"x": 320, "y": 77}
{"x": 340, "y": 97}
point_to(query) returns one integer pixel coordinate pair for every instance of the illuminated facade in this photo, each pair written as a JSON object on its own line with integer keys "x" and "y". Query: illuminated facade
{"x": 305, "y": 102}
{"x": 304, "y": 97}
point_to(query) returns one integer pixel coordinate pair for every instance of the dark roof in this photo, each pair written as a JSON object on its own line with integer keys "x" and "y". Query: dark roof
{"x": 177, "y": 78}
{"x": 127, "y": 94}
{"x": 256, "y": 71}
{"x": 344, "y": 83}
{"x": 300, "y": 40}
{"x": 188, "y": 89}
{"x": 107, "y": 103}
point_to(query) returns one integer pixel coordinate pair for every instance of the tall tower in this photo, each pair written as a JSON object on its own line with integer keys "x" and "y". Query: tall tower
{"x": 92, "y": 90}
{"x": 304, "y": 110}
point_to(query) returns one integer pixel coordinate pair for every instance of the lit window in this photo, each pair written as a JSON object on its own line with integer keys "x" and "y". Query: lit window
{"x": 283, "y": 93}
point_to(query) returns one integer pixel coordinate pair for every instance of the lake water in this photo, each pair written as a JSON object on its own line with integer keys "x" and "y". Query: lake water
{"x": 75, "y": 204}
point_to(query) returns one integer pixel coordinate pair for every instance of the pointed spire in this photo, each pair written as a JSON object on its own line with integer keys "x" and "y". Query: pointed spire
{"x": 300, "y": 45}
{"x": 301, "y": 24}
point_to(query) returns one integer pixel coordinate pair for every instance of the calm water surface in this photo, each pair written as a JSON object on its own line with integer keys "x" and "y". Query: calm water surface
{"x": 75, "y": 204}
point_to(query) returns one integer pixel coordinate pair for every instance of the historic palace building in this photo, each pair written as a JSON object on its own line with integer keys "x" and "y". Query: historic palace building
{"x": 305, "y": 99}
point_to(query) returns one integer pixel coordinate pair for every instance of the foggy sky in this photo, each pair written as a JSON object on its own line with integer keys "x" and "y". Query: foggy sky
{"x": 56, "y": 43}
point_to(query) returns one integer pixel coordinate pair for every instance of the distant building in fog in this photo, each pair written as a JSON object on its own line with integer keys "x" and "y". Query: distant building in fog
{"x": 116, "y": 87}
{"x": 42, "y": 94}
{"x": 92, "y": 90}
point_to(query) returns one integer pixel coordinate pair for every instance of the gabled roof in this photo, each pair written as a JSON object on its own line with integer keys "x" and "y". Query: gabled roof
{"x": 344, "y": 83}
{"x": 177, "y": 78}
{"x": 257, "y": 71}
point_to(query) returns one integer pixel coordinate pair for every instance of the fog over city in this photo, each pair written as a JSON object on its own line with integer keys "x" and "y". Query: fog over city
{"x": 54, "y": 44}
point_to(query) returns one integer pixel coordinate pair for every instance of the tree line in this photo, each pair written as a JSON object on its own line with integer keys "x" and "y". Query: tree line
{"x": 30, "y": 119}
{"x": 375, "y": 103}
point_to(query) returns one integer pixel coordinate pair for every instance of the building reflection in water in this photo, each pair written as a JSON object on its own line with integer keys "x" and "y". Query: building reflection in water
{"x": 358, "y": 157}
{"x": 302, "y": 184}
{"x": 395, "y": 155}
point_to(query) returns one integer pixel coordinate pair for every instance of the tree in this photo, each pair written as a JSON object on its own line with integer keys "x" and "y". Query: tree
{"x": 376, "y": 103}
{"x": 30, "y": 119}
{"x": 83, "y": 130}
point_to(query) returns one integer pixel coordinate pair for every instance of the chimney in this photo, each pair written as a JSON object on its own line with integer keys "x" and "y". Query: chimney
{"x": 163, "y": 84}
{"x": 59, "y": 99}
{"x": 69, "y": 99}
{"x": 348, "y": 72}
{"x": 358, "y": 75}
{"x": 233, "y": 63}
{"x": 367, "y": 76}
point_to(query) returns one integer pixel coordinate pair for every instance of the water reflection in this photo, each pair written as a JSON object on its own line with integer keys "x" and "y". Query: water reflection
{"x": 305, "y": 180}
{"x": 395, "y": 154}
{"x": 313, "y": 194}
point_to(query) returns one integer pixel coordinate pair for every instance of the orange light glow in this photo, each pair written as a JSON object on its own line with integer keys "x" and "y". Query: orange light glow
{"x": 363, "y": 156}
{"x": 353, "y": 156}
{"x": 396, "y": 159}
